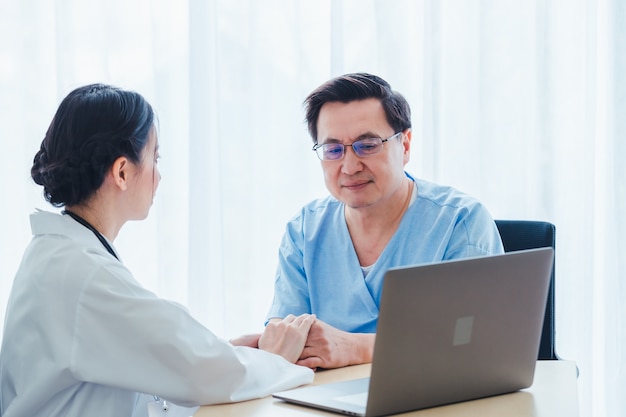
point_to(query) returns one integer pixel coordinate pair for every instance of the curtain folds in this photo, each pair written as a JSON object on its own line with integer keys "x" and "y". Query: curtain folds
{"x": 518, "y": 103}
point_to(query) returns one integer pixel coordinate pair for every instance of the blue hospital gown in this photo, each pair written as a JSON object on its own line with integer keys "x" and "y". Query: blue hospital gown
{"x": 318, "y": 270}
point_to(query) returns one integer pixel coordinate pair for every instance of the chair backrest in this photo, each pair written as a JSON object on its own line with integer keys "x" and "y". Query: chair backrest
{"x": 527, "y": 234}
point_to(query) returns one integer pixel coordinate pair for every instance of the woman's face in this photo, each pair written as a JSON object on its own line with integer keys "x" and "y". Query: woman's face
{"x": 147, "y": 178}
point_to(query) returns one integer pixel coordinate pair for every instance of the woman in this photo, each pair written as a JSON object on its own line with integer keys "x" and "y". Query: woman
{"x": 82, "y": 337}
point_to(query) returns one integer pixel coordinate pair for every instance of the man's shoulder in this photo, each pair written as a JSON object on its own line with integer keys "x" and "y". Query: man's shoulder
{"x": 444, "y": 195}
{"x": 316, "y": 213}
{"x": 321, "y": 206}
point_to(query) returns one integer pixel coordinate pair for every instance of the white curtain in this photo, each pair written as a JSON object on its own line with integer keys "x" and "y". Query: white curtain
{"x": 520, "y": 103}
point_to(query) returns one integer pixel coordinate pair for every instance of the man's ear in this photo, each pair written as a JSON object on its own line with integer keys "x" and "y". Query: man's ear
{"x": 406, "y": 144}
{"x": 120, "y": 172}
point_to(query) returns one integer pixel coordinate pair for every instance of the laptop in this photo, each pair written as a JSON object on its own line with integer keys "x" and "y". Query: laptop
{"x": 447, "y": 332}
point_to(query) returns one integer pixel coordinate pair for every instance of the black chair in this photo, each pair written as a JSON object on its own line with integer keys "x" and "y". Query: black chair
{"x": 527, "y": 234}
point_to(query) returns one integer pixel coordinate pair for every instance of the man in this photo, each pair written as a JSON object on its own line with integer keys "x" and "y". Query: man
{"x": 335, "y": 252}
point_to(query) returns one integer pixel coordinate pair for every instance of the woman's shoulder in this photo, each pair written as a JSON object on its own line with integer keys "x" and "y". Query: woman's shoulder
{"x": 60, "y": 245}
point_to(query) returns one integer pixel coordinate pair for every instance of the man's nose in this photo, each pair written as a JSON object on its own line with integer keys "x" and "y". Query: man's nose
{"x": 351, "y": 163}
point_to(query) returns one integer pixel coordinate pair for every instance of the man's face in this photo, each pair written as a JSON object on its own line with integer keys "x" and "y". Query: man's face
{"x": 355, "y": 181}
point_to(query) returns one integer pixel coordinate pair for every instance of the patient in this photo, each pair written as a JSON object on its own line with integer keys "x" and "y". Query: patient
{"x": 336, "y": 249}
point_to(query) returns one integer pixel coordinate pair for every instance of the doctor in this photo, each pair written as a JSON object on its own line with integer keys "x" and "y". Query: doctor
{"x": 82, "y": 337}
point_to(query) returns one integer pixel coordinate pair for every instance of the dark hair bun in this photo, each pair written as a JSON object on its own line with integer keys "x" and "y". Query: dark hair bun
{"x": 94, "y": 125}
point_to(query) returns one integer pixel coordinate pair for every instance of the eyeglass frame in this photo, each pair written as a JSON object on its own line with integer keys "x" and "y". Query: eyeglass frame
{"x": 356, "y": 150}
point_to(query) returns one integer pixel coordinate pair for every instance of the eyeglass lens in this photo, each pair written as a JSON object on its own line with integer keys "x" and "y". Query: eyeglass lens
{"x": 363, "y": 147}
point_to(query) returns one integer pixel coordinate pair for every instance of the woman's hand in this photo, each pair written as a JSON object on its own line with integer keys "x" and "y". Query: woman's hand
{"x": 286, "y": 337}
{"x": 249, "y": 340}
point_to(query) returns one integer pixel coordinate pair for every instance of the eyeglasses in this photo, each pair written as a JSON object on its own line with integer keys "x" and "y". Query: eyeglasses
{"x": 362, "y": 148}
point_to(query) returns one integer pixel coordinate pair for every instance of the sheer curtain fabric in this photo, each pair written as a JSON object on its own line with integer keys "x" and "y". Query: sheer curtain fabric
{"x": 518, "y": 103}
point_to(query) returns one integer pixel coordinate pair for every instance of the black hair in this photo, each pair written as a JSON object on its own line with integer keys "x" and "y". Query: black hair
{"x": 93, "y": 126}
{"x": 353, "y": 87}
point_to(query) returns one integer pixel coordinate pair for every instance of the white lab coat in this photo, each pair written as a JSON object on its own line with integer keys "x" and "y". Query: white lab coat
{"x": 83, "y": 338}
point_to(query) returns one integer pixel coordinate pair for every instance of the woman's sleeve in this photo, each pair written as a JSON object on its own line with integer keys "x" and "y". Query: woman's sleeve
{"x": 126, "y": 336}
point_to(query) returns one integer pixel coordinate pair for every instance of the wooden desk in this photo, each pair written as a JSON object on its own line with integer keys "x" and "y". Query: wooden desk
{"x": 554, "y": 393}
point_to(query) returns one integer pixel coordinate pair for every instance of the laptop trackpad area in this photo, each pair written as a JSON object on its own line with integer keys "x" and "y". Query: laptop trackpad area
{"x": 354, "y": 399}
{"x": 348, "y": 397}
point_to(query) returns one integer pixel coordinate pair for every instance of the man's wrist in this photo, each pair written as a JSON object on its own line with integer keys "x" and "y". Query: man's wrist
{"x": 365, "y": 347}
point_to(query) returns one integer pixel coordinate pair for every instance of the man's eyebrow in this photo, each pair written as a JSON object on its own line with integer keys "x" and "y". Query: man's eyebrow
{"x": 365, "y": 135}
{"x": 368, "y": 135}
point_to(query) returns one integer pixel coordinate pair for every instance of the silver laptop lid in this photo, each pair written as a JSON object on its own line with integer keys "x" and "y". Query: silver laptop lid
{"x": 458, "y": 330}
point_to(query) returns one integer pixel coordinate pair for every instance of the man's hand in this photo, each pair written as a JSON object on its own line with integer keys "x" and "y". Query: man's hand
{"x": 328, "y": 347}
{"x": 286, "y": 337}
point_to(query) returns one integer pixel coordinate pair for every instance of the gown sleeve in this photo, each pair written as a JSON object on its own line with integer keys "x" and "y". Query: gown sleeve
{"x": 474, "y": 234}
{"x": 291, "y": 290}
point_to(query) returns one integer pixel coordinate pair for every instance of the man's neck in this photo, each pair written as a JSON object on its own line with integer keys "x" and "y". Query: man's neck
{"x": 371, "y": 228}
{"x": 381, "y": 216}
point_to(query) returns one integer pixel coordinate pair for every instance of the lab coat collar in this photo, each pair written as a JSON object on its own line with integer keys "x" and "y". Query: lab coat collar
{"x": 48, "y": 223}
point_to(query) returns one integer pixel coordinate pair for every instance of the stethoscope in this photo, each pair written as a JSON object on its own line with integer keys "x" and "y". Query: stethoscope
{"x": 164, "y": 405}
{"x": 93, "y": 229}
